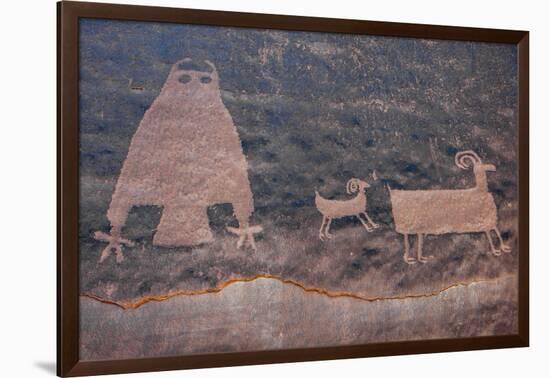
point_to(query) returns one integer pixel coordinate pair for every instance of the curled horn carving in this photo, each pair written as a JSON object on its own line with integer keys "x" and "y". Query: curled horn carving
{"x": 467, "y": 159}
{"x": 352, "y": 186}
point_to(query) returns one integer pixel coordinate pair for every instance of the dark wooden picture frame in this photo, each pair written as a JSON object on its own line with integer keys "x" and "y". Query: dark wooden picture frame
{"x": 68, "y": 363}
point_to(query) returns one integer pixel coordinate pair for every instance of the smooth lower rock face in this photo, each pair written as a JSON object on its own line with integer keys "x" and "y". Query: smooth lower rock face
{"x": 267, "y": 314}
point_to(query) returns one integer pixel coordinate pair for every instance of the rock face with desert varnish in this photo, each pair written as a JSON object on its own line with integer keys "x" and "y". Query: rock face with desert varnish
{"x": 311, "y": 112}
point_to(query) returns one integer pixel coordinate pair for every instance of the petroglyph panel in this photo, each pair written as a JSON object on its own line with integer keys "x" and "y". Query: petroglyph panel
{"x": 250, "y": 189}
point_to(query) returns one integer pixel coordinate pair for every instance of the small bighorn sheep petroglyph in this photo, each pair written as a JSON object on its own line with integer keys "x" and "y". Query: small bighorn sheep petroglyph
{"x": 437, "y": 212}
{"x": 356, "y": 206}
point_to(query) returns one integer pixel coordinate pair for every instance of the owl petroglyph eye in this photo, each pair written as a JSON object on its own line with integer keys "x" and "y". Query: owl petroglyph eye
{"x": 184, "y": 79}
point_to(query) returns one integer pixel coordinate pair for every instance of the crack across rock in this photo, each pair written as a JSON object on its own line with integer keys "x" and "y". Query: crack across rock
{"x": 128, "y": 305}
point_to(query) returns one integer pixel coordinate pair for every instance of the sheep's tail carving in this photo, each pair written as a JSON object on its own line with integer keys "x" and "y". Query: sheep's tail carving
{"x": 467, "y": 159}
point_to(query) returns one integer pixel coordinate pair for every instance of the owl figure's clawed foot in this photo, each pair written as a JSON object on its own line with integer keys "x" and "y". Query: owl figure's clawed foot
{"x": 246, "y": 235}
{"x": 114, "y": 246}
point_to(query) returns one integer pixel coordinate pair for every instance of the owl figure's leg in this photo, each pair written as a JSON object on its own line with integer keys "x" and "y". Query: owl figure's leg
{"x": 117, "y": 214}
{"x": 246, "y": 235}
{"x": 245, "y": 232}
{"x": 115, "y": 243}
{"x": 183, "y": 226}
{"x": 236, "y": 188}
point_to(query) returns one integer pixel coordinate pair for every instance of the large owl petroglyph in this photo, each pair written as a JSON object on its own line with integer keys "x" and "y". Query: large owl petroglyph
{"x": 186, "y": 155}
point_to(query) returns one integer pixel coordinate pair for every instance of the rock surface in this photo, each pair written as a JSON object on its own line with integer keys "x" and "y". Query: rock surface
{"x": 312, "y": 110}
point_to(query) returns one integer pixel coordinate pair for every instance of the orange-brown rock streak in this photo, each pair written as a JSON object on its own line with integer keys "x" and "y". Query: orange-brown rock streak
{"x": 128, "y": 305}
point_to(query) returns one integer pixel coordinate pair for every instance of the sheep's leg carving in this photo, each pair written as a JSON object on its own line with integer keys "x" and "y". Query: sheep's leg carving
{"x": 367, "y": 227}
{"x": 374, "y": 225}
{"x": 494, "y": 251}
{"x": 328, "y": 235}
{"x": 503, "y": 246}
{"x": 421, "y": 257}
{"x": 406, "y": 257}
{"x": 419, "y": 247}
{"x": 322, "y": 229}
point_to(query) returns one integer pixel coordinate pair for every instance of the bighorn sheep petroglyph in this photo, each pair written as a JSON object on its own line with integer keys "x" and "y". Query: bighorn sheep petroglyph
{"x": 437, "y": 212}
{"x": 356, "y": 206}
{"x": 185, "y": 156}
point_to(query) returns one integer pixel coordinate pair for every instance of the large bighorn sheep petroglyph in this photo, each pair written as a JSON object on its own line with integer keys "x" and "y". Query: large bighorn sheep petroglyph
{"x": 437, "y": 212}
{"x": 356, "y": 206}
{"x": 185, "y": 156}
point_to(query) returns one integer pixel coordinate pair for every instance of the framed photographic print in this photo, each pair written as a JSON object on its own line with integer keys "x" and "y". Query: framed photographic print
{"x": 242, "y": 188}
